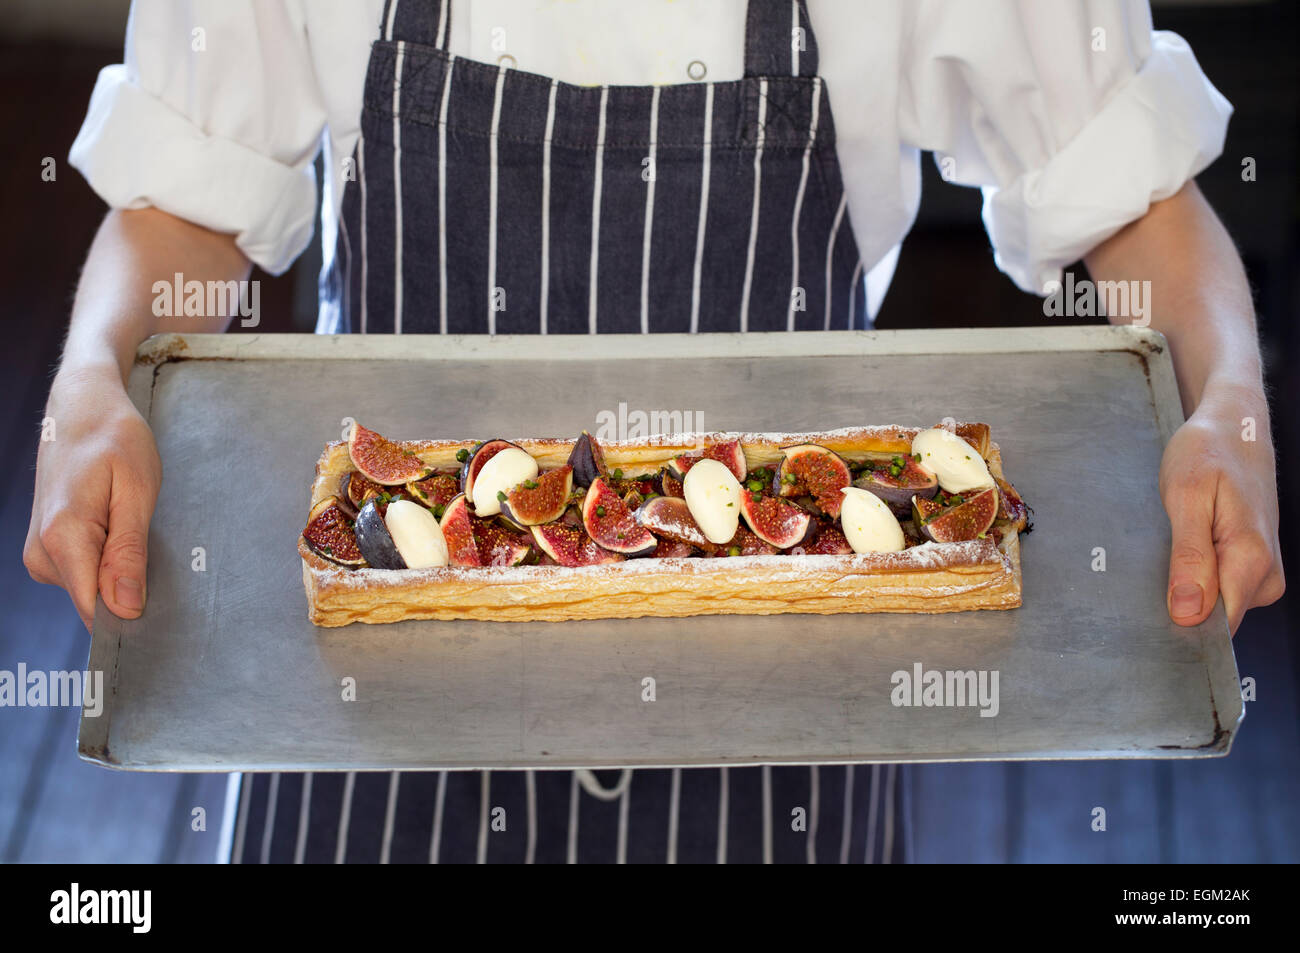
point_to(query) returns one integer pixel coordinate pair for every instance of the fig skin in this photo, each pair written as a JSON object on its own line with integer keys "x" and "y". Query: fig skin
{"x": 570, "y": 546}
{"x": 969, "y": 519}
{"x": 670, "y": 518}
{"x": 329, "y": 535}
{"x": 1011, "y": 506}
{"x": 544, "y": 503}
{"x": 818, "y": 472}
{"x": 374, "y": 541}
{"x": 381, "y": 460}
{"x": 478, "y": 456}
{"x": 774, "y": 520}
{"x": 616, "y": 520}
{"x": 587, "y": 460}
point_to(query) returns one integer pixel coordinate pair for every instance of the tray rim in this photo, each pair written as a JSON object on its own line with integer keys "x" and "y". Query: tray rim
{"x": 1147, "y": 344}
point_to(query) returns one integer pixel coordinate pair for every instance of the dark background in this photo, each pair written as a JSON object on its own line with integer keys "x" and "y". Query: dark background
{"x": 1239, "y": 808}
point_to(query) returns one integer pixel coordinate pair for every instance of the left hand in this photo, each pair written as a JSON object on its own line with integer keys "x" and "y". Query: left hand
{"x": 1220, "y": 490}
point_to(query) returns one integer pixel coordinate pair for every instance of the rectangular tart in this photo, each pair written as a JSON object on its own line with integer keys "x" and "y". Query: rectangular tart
{"x": 930, "y": 577}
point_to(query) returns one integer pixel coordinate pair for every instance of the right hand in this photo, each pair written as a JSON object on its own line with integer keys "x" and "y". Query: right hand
{"x": 96, "y": 486}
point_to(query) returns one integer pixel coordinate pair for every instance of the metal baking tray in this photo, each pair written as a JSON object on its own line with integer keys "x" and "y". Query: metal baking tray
{"x": 224, "y": 672}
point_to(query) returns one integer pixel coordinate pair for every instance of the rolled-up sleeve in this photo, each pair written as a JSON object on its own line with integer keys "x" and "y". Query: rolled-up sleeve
{"x": 215, "y": 117}
{"x": 1072, "y": 117}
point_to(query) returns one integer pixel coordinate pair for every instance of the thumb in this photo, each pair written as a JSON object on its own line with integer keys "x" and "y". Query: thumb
{"x": 1193, "y": 566}
{"x": 123, "y": 562}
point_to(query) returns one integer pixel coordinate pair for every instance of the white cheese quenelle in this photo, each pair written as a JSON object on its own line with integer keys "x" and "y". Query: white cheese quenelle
{"x": 501, "y": 474}
{"x": 956, "y": 463}
{"x": 868, "y": 524}
{"x": 416, "y": 534}
{"x": 713, "y": 496}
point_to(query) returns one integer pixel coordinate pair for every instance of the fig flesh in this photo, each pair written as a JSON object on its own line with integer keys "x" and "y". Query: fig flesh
{"x": 610, "y": 523}
{"x": 829, "y": 541}
{"x": 745, "y": 543}
{"x": 670, "y": 485}
{"x": 670, "y": 518}
{"x": 571, "y": 546}
{"x": 775, "y": 520}
{"x": 728, "y": 453}
{"x": 435, "y": 491}
{"x": 952, "y": 519}
{"x": 1011, "y": 507}
{"x": 472, "y": 541}
{"x": 382, "y": 460}
{"x": 330, "y": 534}
{"x": 672, "y": 549}
{"x": 813, "y": 470}
{"x": 538, "y": 501}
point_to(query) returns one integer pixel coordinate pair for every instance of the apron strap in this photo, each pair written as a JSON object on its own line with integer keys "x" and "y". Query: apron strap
{"x": 779, "y": 40}
{"x": 417, "y": 21}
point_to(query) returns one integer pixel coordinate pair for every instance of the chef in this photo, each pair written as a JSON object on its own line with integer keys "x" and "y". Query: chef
{"x": 587, "y": 167}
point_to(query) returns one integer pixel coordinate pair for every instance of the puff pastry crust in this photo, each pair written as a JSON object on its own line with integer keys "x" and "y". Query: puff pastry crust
{"x": 932, "y": 577}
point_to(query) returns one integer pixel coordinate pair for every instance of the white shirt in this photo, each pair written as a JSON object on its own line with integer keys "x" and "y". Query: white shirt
{"x": 1071, "y": 116}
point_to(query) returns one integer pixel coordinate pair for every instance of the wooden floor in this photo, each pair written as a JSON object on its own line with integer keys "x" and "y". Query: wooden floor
{"x": 53, "y": 807}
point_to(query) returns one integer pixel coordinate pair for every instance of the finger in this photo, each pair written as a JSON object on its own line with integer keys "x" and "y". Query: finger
{"x": 1193, "y": 565}
{"x": 36, "y": 560}
{"x": 122, "y": 564}
{"x": 73, "y": 543}
{"x": 1246, "y": 569}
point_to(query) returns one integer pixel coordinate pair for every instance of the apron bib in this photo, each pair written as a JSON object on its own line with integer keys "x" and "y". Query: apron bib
{"x": 491, "y": 200}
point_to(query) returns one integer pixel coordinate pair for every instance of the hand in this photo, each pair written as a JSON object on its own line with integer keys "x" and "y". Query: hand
{"x": 96, "y": 485}
{"x": 1220, "y": 491}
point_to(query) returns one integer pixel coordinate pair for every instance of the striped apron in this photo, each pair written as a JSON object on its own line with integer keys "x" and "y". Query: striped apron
{"x": 486, "y": 199}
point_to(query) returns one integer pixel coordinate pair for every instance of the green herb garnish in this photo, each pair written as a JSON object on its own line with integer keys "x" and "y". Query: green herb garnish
{"x": 462, "y": 455}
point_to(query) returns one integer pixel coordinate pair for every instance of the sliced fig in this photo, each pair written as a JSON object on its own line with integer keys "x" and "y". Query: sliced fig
{"x": 382, "y": 460}
{"x": 473, "y": 541}
{"x": 643, "y": 485}
{"x": 538, "y": 501}
{"x": 670, "y": 485}
{"x": 745, "y": 543}
{"x": 458, "y": 530}
{"x": 728, "y": 452}
{"x": 958, "y": 518}
{"x": 587, "y": 460}
{"x": 610, "y": 523}
{"x": 474, "y": 462}
{"x": 499, "y": 544}
{"x": 330, "y": 534}
{"x": 374, "y": 540}
{"x": 897, "y": 481}
{"x": 670, "y": 518}
{"x": 435, "y": 491}
{"x": 1010, "y": 506}
{"x": 774, "y": 520}
{"x": 829, "y": 541}
{"x": 812, "y": 470}
{"x": 358, "y": 488}
{"x": 632, "y": 499}
{"x": 672, "y": 549}
{"x": 571, "y": 546}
